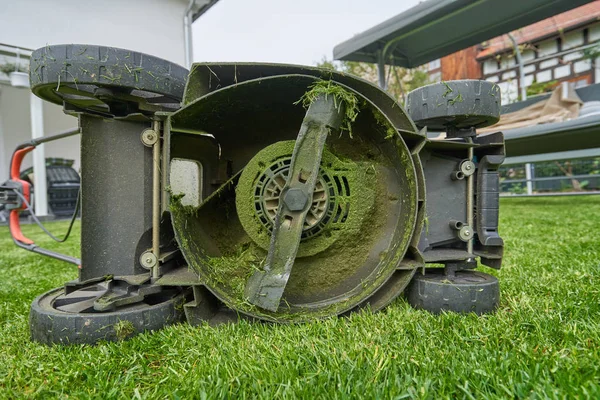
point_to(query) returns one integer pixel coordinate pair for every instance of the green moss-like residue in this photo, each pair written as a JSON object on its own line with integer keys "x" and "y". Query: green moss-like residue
{"x": 123, "y": 329}
{"x": 335, "y": 269}
{"x": 390, "y": 131}
{"x": 234, "y": 269}
{"x": 342, "y": 97}
{"x": 344, "y": 259}
{"x": 245, "y": 198}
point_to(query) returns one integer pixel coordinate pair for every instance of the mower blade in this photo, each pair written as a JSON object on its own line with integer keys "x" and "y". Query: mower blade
{"x": 265, "y": 288}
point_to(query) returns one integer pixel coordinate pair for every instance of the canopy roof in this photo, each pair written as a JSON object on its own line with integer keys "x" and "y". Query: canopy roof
{"x": 202, "y": 6}
{"x": 436, "y": 28}
{"x": 574, "y": 134}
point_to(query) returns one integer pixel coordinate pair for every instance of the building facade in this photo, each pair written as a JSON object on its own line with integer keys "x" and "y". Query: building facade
{"x": 156, "y": 27}
{"x": 565, "y": 47}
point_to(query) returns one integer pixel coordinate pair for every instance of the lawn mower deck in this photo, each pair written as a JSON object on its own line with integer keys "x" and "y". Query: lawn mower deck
{"x": 263, "y": 191}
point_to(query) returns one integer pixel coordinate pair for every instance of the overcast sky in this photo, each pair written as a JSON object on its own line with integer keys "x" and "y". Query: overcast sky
{"x": 287, "y": 31}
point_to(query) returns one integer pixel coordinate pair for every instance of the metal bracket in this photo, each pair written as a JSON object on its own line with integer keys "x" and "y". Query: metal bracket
{"x": 453, "y": 132}
{"x": 120, "y": 293}
{"x": 9, "y": 197}
{"x": 466, "y": 168}
{"x": 465, "y": 231}
{"x": 452, "y": 267}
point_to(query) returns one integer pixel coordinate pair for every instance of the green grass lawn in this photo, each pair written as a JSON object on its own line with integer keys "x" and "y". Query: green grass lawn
{"x": 544, "y": 341}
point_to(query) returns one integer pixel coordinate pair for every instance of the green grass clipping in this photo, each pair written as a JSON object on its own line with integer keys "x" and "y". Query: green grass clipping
{"x": 342, "y": 97}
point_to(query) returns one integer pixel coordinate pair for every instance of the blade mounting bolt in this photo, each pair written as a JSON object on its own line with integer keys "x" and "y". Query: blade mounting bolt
{"x": 295, "y": 199}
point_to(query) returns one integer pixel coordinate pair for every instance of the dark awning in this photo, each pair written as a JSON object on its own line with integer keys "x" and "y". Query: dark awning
{"x": 576, "y": 134}
{"x": 200, "y": 7}
{"x": 436, "y": 28}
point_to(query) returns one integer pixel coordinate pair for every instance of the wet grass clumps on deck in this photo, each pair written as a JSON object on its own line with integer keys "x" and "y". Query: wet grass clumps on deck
{"x": 342, "y": 97}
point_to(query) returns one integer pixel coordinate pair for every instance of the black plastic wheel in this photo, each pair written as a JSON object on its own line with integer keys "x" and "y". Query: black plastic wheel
{"x": 467, "y": 291}
{"x": 458, "y": 104}
{"x": 106, "y": 81}
{"x": 56, "y": 318}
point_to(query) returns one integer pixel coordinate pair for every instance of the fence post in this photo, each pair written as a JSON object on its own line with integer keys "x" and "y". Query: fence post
{"x": 39, "y": 158}
{"x": 529, "y": 177}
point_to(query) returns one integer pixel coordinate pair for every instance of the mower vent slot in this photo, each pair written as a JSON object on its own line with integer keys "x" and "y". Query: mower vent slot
{"x": 346, "y": 186}
{"x": 338, "y": 184}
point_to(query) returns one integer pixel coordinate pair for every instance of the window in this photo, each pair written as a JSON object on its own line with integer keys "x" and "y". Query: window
{"x": 435, "y": 76}
{"x": 579, "y": 83}
{"x": 435, "y": 64}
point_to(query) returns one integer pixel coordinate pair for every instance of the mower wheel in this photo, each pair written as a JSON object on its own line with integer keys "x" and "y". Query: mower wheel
{"x": 459, "y": 104}
{"x": 467, "y": 291}
{"x": 50, "y": 324}
{"x": 106, "y": 81}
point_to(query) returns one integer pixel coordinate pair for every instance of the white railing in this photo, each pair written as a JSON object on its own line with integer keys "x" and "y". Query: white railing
{"x": 528, "y": 189}
{"x": 13, "y": 55}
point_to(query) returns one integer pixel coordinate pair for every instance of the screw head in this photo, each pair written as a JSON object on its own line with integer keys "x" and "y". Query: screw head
{"x": 149, "y": 137}
{"x": 465, "y": 233}
{"x": 467, "y": 167}
{"x": 295, "y": 199}
{"x": 148, "y": 260}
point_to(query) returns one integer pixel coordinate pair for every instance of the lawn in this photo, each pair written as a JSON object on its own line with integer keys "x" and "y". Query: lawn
{"x": 543, "y": 342}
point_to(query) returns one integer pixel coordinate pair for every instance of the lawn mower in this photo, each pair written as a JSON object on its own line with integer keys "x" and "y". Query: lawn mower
{"x": 62, "y": 188}
{"x": 266, "y": 192}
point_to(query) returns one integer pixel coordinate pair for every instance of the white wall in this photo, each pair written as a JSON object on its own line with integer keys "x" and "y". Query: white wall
{"x": 15, "y": 128}
{"x": 149, "y": 26}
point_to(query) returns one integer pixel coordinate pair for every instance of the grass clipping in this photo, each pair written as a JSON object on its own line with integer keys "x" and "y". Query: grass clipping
{"x": 342, "y": 97}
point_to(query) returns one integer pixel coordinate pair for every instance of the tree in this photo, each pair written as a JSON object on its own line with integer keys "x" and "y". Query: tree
{"x": 400, "y": 80}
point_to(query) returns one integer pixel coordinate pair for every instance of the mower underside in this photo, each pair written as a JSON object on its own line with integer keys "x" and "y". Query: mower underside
{"x": 271, "y": 192}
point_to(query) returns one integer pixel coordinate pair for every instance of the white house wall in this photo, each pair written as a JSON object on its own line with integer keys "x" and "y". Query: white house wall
{"x": 15, "y": 128}
{"x": 556, "y": 58}
{"x": 149, "y": 26}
